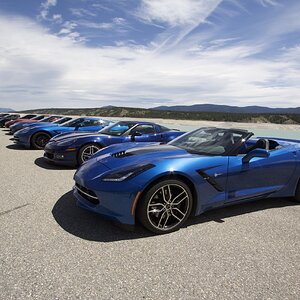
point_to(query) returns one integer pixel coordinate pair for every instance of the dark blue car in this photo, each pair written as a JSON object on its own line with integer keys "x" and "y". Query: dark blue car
{"x": 38, "y": 136}
{"x": 162, "y": 185}
{"x": 7, "y": 118}
{"x": 75, "y": 148}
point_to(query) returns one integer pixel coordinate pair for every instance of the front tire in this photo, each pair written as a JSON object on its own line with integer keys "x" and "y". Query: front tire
{"x": 39, "y": 140}
{"x": 87, "y": 151}
{"x": 166, "y": 206}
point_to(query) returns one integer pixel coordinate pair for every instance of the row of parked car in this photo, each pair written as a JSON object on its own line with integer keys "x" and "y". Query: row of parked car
{"x": 71, "y": 141}
{"x": 134, "y": 170}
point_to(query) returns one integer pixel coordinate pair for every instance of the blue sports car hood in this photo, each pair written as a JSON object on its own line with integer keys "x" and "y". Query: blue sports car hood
{"x": 138, "y": 155}
{"x": 70, "y": 135}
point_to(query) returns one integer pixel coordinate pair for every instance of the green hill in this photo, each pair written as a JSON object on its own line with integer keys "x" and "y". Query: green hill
{"x": 131, "y": 112}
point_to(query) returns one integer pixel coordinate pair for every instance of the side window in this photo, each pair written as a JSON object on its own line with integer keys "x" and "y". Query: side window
{"x": 143, "y": 129}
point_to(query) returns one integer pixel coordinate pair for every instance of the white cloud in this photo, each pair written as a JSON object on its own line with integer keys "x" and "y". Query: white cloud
{"x": 45, "y": 7}
{"x": 118, "y": 24}
{"x": 177, "y": 12}
{"x": 38, "y": 69}
{"x": 81, "y": 12}
{"x": 57, "y": 18}
{"x": 181, "y": 17}
{"x": 67, "y": 32}
{"x": 268, "y": 2}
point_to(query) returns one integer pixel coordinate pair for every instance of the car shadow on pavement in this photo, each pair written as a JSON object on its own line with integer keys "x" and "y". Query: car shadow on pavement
{"x": 42, "y": 163}
{"x": 218, "y": 215}
{"x": 90, "y": 226}
{"x": 15, "y": 147}
{"x": 7, "y": 132}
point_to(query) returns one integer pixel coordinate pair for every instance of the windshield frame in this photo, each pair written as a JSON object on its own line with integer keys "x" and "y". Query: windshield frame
{"x": 232, "y": 151}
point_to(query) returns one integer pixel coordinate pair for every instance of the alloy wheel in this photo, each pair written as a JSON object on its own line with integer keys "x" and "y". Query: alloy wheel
{"x": 168, "y": 207}
{"x": 88, "y": 151}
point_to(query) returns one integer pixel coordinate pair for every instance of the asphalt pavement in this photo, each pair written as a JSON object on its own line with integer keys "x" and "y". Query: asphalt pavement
{"x": 50, "y": 249}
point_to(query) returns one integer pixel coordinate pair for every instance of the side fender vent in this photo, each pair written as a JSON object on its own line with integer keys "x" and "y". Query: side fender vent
{"x": 211, "y": 180}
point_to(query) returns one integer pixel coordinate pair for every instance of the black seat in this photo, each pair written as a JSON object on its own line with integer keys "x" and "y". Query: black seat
{"x": 260, "y": 144}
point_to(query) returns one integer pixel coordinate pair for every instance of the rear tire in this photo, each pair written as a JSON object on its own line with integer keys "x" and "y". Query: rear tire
{"x": 87, "y": 151}
{"x": 39, "y": 140}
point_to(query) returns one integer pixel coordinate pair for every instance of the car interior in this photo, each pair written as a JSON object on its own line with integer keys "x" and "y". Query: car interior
{"x": 261, "y": 143}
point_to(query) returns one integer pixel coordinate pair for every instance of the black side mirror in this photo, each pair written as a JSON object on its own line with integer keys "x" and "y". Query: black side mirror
{"x": 137, "y": 133}
{"x": 255, "y": 153}
{"x": 134, "y": 134}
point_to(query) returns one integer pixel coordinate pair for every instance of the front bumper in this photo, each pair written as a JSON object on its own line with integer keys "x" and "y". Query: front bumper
{"x": 21, "y": 140}
{"x": 60, "y": 156}
{"x": 13, "y": 129}
{"x": 113, "y": 201}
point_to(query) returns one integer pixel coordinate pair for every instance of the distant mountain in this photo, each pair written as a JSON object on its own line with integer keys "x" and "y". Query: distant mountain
{"x": 230, "y": 109}
{"x": 6, "y": 109}
{"x": 134, "y": 112}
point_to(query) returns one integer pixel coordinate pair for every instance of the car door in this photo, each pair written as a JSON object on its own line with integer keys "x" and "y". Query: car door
{"x": 261, "y": 176}
{"x": 145, "y": 133}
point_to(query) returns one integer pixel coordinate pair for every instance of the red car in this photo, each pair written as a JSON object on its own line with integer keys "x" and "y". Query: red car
{"x": 27, "y": 118}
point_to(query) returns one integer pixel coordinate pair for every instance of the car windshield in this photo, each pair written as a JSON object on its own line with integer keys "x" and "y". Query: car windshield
{"x": 38, "y": 118}
{"x": 28, "y": 117}
{"x": 211, "y": 141}
{"x": 117, "y": 129}
{"x": 62, "y": 120}
{"x": 72, "y": 123}
{"x": 47, "y": 119}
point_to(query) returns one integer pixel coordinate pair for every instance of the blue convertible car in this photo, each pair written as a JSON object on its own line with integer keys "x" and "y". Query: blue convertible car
{"x": 38, "y": 136}
{"x": 162, "y": 185}
{"x": 75, "y": 148}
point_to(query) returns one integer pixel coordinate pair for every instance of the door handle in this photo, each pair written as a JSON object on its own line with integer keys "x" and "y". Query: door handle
{"x": 218, "y": 174}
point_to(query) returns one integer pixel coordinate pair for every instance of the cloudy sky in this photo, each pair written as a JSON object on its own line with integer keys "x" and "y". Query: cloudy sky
{"x": 145, "y": 53}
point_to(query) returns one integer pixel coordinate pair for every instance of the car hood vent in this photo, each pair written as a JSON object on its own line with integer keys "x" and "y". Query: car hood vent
{"x": 121, "y": 154}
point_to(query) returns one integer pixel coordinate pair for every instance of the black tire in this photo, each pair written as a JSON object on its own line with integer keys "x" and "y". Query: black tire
{"x": 39, "y": 140}
{"x": 157, "y": 210}
{"x": 84, "y": 154}
{"x": 297, "y": 193}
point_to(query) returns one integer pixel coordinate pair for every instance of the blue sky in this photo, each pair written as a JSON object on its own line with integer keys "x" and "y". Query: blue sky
{"x": 145, "y": 53}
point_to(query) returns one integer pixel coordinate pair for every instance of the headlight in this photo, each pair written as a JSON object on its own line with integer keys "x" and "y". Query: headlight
{"x": 122, "y": 175}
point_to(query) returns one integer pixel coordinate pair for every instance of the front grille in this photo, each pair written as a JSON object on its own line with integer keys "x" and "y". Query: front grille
{"x": 87, "y": 194}
{"x": 49, "y": 155}
{"x": 121, "y": 154}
